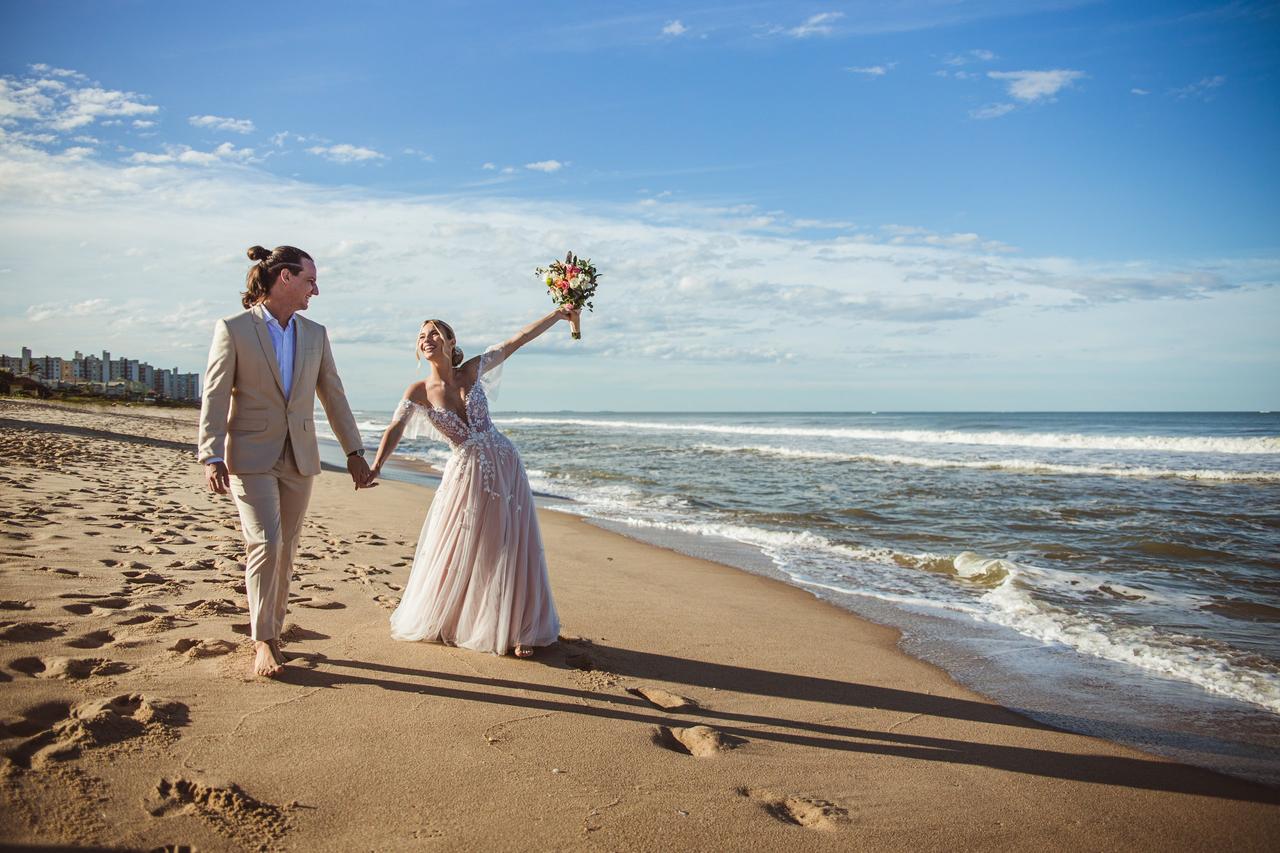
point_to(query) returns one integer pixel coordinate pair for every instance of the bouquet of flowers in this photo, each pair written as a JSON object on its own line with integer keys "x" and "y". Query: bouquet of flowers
{"x": 572, "y": 282}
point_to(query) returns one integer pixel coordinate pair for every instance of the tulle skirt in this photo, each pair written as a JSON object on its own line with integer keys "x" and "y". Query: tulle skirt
{"x": 479, "y": 577}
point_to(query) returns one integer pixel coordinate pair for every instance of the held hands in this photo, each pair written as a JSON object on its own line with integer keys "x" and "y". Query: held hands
{"x": 217, "y": 478}
{"x": 569, "y": 313}
{"x": 360, "y": 473}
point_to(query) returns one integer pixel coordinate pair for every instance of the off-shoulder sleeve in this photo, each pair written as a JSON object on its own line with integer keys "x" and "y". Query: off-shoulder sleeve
{"x": 491, "y": 371}
{"x": 417, "y": 423}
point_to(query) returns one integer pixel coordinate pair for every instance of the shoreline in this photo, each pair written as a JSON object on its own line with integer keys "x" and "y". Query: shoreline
{"x": 826, "y": 734}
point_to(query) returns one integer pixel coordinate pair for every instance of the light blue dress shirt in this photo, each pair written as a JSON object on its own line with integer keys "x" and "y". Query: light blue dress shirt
{"x": 282, "y": 339}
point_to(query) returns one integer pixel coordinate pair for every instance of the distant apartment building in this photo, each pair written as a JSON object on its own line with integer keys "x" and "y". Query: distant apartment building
{"x": 116, "y": 377}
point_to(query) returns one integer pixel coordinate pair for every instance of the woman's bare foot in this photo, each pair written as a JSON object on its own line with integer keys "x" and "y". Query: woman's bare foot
{"x": 522, "y": 651}
{"x": 264, "y": 662}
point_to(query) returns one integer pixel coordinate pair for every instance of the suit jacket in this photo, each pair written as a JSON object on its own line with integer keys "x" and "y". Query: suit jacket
{"x": 245, "y": 417}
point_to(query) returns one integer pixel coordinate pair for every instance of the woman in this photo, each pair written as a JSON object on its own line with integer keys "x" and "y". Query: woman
{"x": 479, "y": 577}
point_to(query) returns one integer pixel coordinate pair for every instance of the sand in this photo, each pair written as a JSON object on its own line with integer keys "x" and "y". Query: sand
{"x": 688, "y": 705}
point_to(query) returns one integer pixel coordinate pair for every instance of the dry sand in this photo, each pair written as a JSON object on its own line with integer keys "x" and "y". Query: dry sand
{"x": 689, "y": 705}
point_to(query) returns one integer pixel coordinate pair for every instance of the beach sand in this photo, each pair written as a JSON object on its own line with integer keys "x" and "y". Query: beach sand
{"x": 688, "y": 706}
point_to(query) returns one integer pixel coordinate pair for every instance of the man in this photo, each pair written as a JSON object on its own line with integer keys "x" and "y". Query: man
{"x": 257, "y": 430}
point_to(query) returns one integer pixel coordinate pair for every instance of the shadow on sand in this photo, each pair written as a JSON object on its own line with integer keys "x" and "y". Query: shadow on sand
{"x": 1141, "y": 773}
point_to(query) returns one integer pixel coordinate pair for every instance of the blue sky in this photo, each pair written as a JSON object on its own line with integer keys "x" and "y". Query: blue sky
{"x": 885, "y": 205}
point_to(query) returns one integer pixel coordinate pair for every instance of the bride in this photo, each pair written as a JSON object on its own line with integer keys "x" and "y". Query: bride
{"x": 479, "y": 577}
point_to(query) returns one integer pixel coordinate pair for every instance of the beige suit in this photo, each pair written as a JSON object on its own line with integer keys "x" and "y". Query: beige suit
{"x": 269, "y": 444}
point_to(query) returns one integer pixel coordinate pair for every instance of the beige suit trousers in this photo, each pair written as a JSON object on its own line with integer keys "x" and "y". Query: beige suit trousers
{"x": 272, "y": 507}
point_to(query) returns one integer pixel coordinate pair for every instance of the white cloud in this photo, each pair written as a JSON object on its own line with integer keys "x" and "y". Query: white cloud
{"x": 872, "y": 70}
{"x": 674, "y": 28}
{"x": 345, "y": 153}
{"x": 59, "y": 105}
{"x": 43, "y": 68}
{"x": 1199, "y": 89}
{"x": 546, "y": 166}
{"x": 969, "y": 56}
{"x": 88, "y": 105}
{"x": 188, "y": 156}
{"x": 1136, "y": 91}
{"x": 1028, "y": 86}
{"x": 100, "y": 308}
{"x": 143, "y": 125}
{"x": 992, "y": 111}
{"x": 815, "y": 25}
{"x": 420, "y": 154}
{"x": 489, "y": 167}
{"x": 232, "y": 125}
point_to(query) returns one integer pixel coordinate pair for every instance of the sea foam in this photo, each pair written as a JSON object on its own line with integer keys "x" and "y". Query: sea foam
{"x": 1021, "y": 466}
{"x": 1054, "y": 440}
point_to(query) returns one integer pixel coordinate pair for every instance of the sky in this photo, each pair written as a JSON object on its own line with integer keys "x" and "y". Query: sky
{"x": 887, "y": 205}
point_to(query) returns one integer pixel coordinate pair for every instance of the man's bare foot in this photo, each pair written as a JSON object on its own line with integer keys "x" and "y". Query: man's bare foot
{"x": 280, "y": 657}
{"x": 522, "y": 651}
{"x": 264, "y": 663}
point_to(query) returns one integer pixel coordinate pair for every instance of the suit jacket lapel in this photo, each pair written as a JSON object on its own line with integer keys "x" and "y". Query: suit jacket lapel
{"x": 268, "y": 350}
{"x": 297, "y": 352}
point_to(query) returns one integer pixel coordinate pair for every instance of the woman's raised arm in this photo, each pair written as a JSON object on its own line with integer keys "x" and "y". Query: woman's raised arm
{"x": 534, "y": 329}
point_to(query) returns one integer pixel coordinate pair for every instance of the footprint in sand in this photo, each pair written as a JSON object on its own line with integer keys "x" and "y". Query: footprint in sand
{"x": 151, "y": 550}
{"x": 146, "y": 578}
{"x": 292, "y": 632}
{"x": 578, "y": 654}
{"x": 212, "y": 607}
{"x": 68, "y": 669}
{"x": 249, "y": 822}
{"x": 387, "y": 602}
{"x": 85, "y": 608}
{"x": 30, "y": 632}
{"x": 70, "y": 573}
{"x": 34, "y": 720}
{"x": 203, "y": 648}
{"x": 796, "y": 810}
{"x": 132, "y": 565}
{"x": 11, "y": 604}
{"x": 659, "y": 698}
{"x": 150, "y": 624}
{"x": 92, "y": 640}
{"x": 205, "y": 565}
{"x": 319, "y": 603}
{"x": 698, "y": 741}
{"x": 56, "y": 731}
{"x": 170, "y": 538}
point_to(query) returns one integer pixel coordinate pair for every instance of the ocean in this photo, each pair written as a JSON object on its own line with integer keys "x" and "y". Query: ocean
{"x": 1116, "y": 574}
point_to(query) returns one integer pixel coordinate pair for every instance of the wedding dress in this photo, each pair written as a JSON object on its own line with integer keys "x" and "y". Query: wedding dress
{"x": 479, "y": 577}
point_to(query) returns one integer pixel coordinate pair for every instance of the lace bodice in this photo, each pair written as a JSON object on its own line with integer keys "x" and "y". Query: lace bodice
{"x": 436, "y": 424}
{"x": 453, "y": 429}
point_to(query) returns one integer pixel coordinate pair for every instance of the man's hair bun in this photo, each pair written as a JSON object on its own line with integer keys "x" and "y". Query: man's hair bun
{"x": 258, "y": 253}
